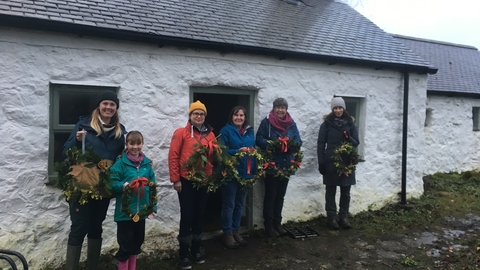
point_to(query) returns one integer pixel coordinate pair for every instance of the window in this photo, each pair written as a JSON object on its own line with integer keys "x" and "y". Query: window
{"x": 476, "y": 118}
{"x": 67, "y": 104}
{"x": 356, "y": 109}
{"x": 428, "y": 117}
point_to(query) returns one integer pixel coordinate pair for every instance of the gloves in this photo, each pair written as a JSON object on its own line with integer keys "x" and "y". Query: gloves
{"x": 322, "y": 169}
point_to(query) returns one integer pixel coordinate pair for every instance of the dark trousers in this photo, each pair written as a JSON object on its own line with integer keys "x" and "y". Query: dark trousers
{"x": 275, "y": 190}
{"x": 192, "y": 209}
{"x": 130, "y": 237}
{"x": 87, "y": 220}
{"x": 331, "y": 205}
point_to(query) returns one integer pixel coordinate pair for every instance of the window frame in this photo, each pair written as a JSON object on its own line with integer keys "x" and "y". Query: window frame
{"x": 360, "y": 118}
{"x": 476, "y": 118}
{"x": 56, "y": 89}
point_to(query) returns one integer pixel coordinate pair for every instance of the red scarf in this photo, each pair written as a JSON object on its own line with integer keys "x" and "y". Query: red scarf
{"x": 280, "y": 124}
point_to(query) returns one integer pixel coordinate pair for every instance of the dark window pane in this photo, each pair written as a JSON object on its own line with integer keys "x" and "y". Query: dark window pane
{"x": 59, "y": 141}
{"x": 75, "y": 104}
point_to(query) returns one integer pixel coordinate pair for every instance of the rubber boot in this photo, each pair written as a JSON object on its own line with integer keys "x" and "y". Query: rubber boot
{"x": 93, "y": 253}
{"x": 73, "y": 257}
{"x": 123, "y": 265}
{"x": 184, "y": 243}
{"x": 195, "y": 249}
{"x": 132, "y": 262}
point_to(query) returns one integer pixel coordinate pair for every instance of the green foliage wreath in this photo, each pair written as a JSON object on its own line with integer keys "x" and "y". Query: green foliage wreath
{"x": 72, "y": 188}
{"x": 282, "y": 145}
{"x": 146, "y": 210}
{"x": 250, "y": 153}
{"x": 210, "y": 153}
{"x": 345, "y": 159}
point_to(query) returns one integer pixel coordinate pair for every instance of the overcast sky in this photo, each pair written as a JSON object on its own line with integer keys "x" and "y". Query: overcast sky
{"x": 454, "y": 21}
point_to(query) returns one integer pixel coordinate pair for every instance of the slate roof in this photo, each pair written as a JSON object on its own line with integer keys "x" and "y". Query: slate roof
{"x": 315, "y": 29}
{"x": 458, "y": 65}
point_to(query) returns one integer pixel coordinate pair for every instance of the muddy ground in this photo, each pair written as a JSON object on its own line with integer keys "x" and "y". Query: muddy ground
{"x": 450, "y": 244}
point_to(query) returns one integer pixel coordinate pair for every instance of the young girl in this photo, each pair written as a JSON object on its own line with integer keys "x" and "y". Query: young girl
{"x": 134, "y": 185}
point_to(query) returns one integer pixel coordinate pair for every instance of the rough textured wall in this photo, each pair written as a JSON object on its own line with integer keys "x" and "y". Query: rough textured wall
{"x": 154, "y": 91}
{"x": 451, "y": 143}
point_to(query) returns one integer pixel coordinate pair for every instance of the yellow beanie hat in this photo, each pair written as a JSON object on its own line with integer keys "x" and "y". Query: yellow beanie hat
{"x": 197, "y": 105}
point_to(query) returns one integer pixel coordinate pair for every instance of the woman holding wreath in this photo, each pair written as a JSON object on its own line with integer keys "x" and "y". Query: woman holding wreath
{"x": 337, "y": 129}
{"x": 134, "y": 184}
{"x": 278, "y": 125}
{"x": 237, "y": 136}
{"x": 192, "y": 200}
{"x": 103, "y": 132}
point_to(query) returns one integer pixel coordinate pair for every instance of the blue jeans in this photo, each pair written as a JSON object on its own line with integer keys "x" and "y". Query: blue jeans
{"x": 193, "y": 202}
{"x": 233, "y": 200}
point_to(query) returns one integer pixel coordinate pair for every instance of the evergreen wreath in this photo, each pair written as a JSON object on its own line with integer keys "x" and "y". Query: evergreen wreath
{"x": 282, "y": 145}
{"x": 129, "y": 191}
{"x": 250, "y": 153}
{"x": 345, "y": 159}
{"x": 203, "y": 154}
{"x": 71, "y": 188}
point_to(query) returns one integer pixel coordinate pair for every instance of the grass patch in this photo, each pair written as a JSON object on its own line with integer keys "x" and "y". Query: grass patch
{"x": 446, "y": 194}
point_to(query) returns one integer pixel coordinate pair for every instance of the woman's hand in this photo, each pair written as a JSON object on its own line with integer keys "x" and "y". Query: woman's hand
{"x": 80, "y": 135}
{"x": 177, "y": 186}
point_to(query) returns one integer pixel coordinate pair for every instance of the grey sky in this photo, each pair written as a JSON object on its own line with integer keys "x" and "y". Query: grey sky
{"x": 443, "y": 20}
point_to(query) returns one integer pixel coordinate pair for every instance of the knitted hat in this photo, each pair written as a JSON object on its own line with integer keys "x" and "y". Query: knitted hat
{"x": 338, "y": 102}
{"x": 109, "y": 95}
{"x": 280, "y": 102}
{"x": 197, "y": 105}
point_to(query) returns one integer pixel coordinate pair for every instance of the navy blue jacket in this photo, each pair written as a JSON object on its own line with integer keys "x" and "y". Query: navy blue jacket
{"x": 230, "y": 136}
{"x": 266, "y": 132}
{"x": 105, "y": 145}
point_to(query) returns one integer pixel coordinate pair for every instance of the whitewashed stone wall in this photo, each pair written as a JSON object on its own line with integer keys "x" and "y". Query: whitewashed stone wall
{"x": 154, "y": 91}
{"x": 451, "y": 143}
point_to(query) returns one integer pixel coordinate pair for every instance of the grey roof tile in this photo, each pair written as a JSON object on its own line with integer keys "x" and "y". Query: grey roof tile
{"x": 458, "y": 65}
{"x": 324, "y": 28}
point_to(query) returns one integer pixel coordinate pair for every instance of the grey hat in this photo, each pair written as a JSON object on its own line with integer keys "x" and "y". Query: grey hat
{"x": 280, "y": 102}
{"x": 338, "y": 102}
{"x": 109, "y": 95}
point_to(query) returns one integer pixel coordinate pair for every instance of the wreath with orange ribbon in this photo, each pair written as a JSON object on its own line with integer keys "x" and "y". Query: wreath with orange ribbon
{"x": 209, "y": 153}
{"x": 282, "y": 145}
{"x": 137, "y": 187}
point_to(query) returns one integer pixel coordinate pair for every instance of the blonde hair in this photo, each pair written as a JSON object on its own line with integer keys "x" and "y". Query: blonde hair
{"x": 97, "y": 125}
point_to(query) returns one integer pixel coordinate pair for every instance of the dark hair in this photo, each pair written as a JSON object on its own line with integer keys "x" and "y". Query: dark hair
{"x": 331, "y": 116}
{"x": 234, "y": 111}
{"x": 134, "y": 136}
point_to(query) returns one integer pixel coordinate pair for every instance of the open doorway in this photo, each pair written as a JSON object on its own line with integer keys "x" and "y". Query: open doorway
{"x": 219, "y": 102}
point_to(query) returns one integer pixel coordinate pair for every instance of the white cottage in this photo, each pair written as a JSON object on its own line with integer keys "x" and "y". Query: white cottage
{"x": 161, "y": 55}
{"x": 452, "y": 118}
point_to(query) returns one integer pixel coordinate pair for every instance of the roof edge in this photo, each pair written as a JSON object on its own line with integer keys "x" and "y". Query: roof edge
{"x": 453, "y": 94}
{"x": 435, "y": 41}
{"x": 90, "y": 30}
